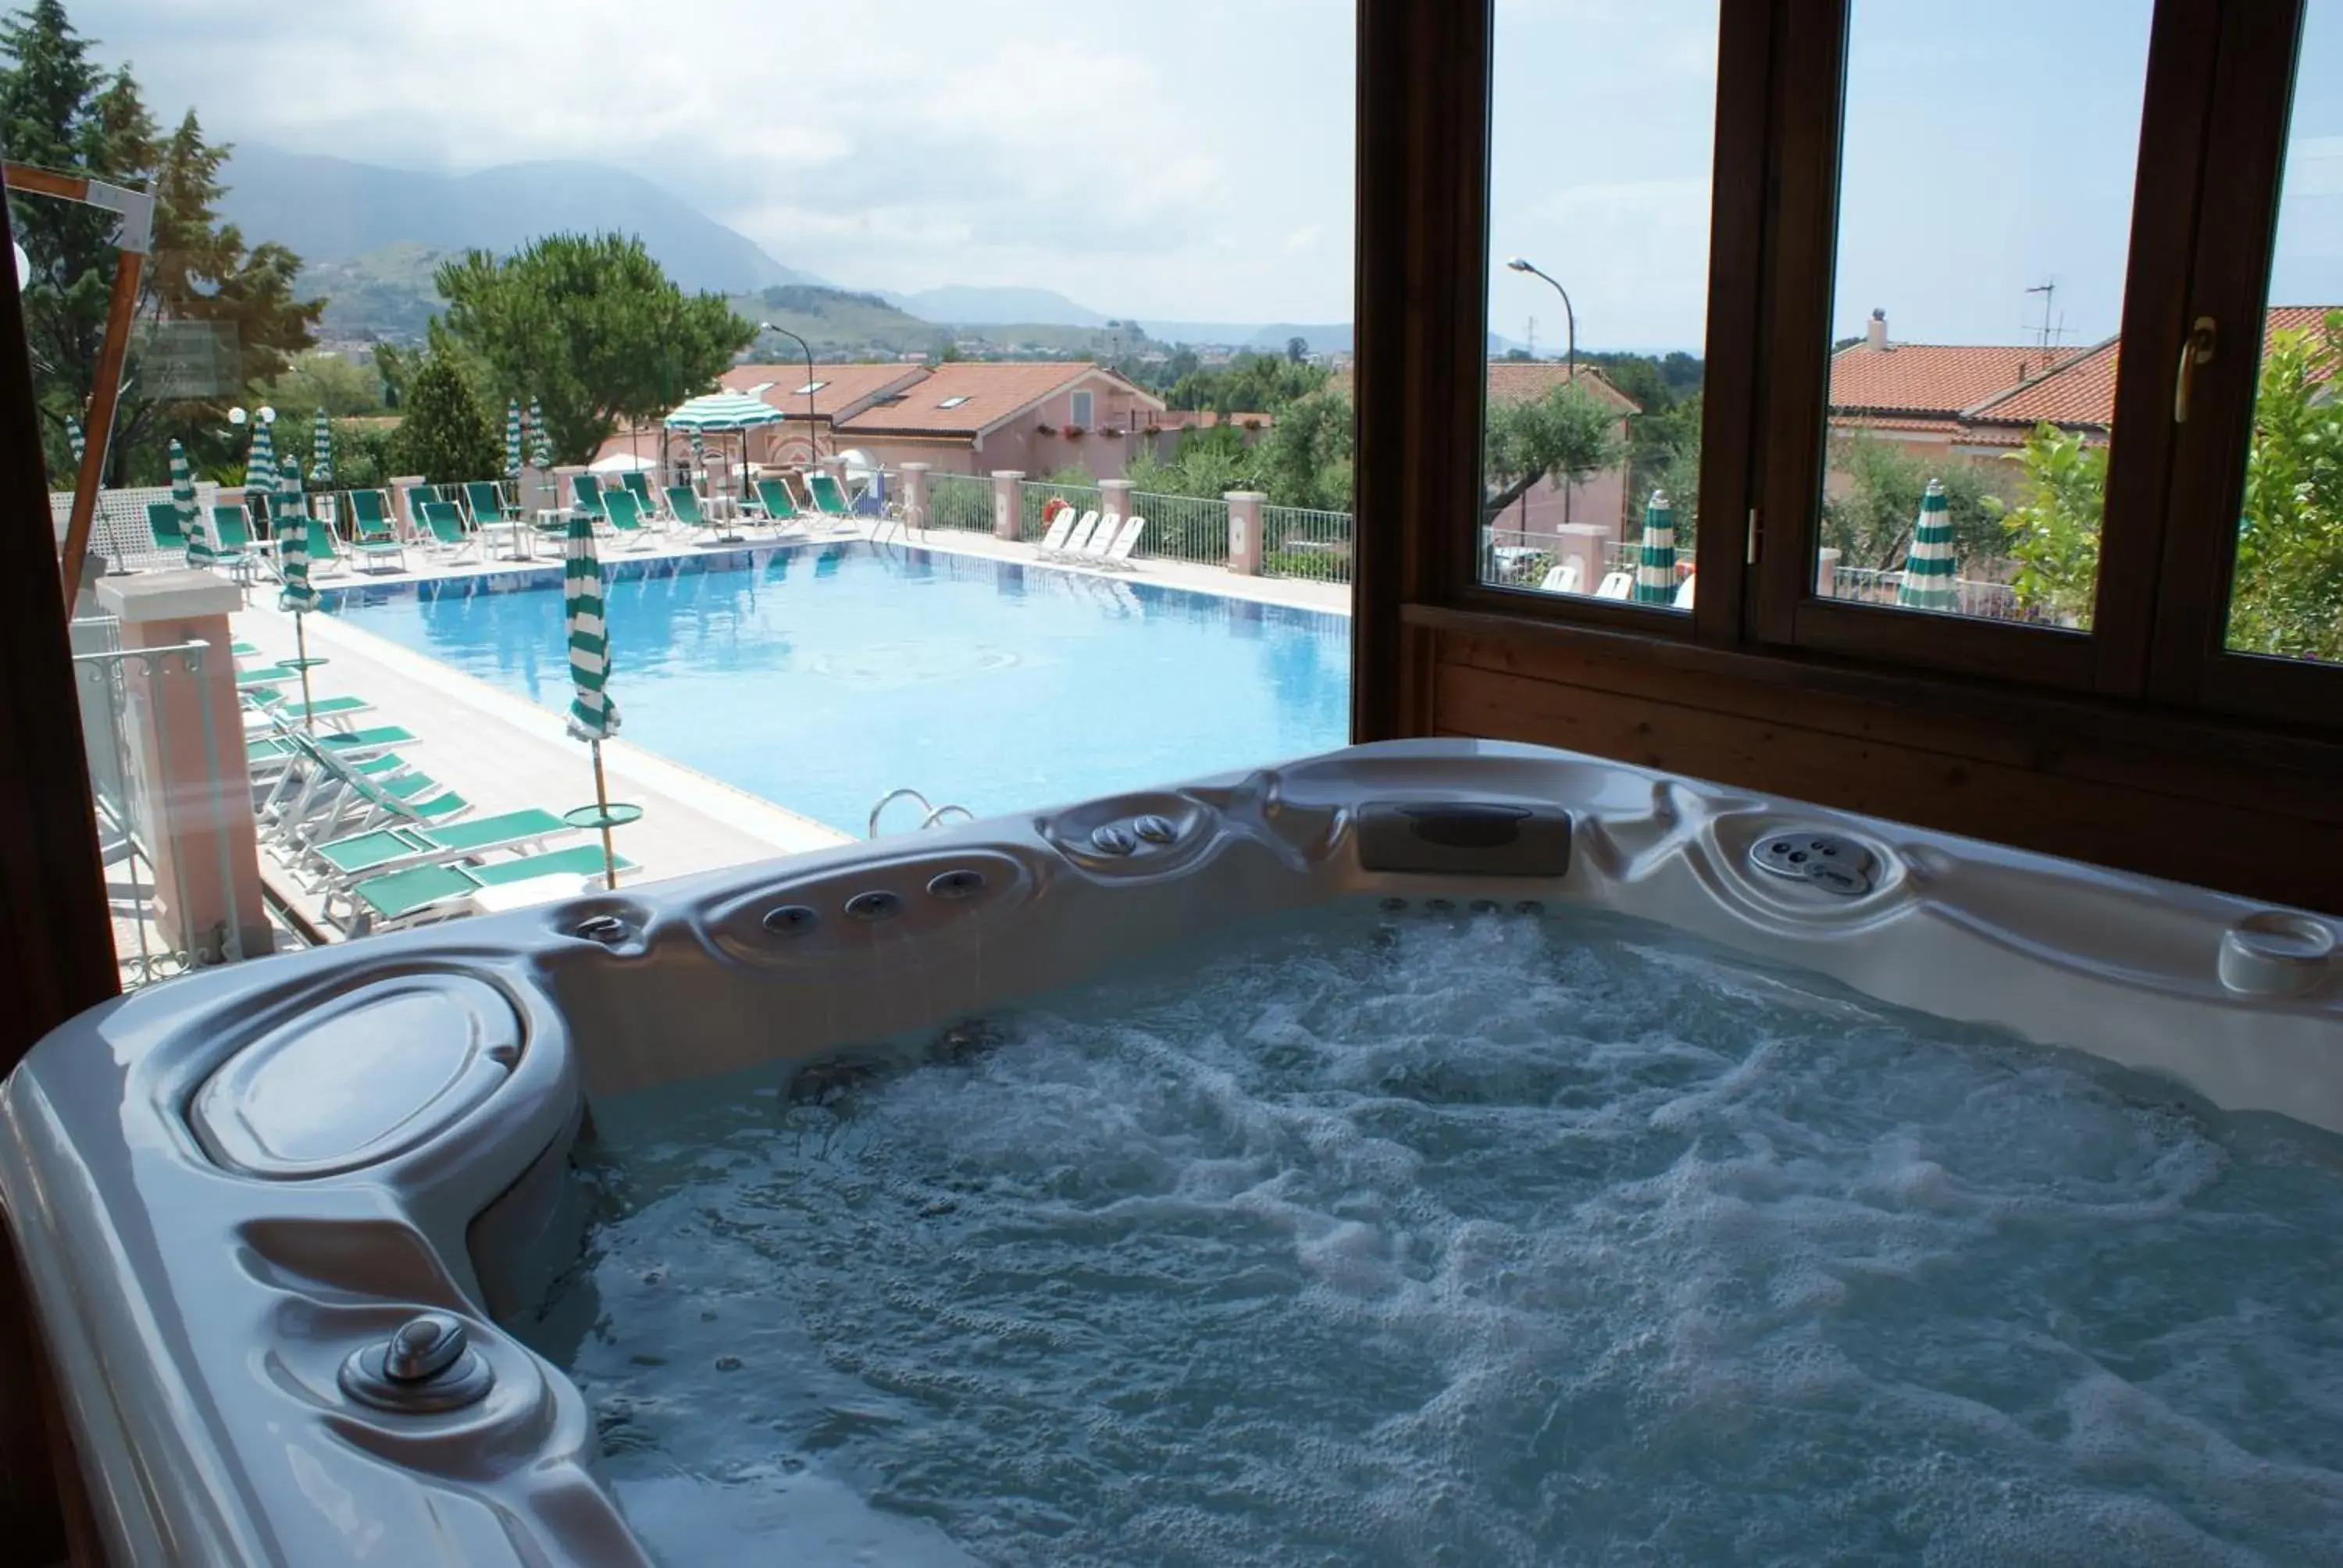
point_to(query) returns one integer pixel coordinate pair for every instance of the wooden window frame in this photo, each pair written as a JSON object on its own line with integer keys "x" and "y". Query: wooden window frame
{"x": 1744, "y": 112}
{"x": 2111, "y": 658}
{"x": 2257, "y": 77}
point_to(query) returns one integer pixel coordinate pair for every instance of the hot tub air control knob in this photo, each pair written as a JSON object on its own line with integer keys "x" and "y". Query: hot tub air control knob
{"x": 427, "y": 1365}
{"x": 1113, "y": 841}
{"x": 1155, "y": 829}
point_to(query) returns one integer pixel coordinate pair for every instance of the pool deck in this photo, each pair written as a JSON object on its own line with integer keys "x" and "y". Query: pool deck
{"x": 503, "y": 753}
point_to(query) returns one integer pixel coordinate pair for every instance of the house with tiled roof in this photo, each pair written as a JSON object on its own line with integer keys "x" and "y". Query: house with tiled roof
{"x": 813, "y": 405}
{"x": 980, "y": 417}
{"x": 1918, "y": 396}
{"x": 1601, "y": 498}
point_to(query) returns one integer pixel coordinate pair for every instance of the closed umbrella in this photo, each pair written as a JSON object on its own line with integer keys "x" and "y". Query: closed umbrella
{"x": 260, "y": 465}
{"x": 1655, "y": 564}
{"x": 541, "y": 451}
{"x": 1929, "y": 569}
{"x": 321, "y": 451}
{"x": 512, "y": 439}
{"x": 593, "y": 716}
{"x": 292, "y": 535}
{"x": 80, "y": 441}
{"x": 193, "y": 526}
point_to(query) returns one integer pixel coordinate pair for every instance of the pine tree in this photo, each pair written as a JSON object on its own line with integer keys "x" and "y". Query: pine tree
{"x": 445, "y": 434}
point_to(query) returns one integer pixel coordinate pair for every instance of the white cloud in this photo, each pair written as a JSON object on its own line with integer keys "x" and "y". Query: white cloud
{"x": 1150, "y": 163}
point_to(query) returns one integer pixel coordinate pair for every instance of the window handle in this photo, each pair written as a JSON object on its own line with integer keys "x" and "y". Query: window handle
{"x": 2198, "y": 349}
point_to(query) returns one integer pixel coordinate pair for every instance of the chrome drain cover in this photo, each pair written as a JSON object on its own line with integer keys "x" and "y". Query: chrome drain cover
{"x": 1828, "y": 861}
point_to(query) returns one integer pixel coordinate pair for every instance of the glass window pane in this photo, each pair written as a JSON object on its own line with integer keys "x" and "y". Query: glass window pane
{"x": 1598, "y": 298}
{"x": 1984, "y": 213}
{"x": 2286, "y": 599}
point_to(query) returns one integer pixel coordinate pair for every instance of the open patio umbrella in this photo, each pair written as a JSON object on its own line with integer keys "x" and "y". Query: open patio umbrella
{"x": 593, "y": 716}
{"x": 723, "y": 413}
{"x": 1655, "y": 564}
{"x": 292, "y": 535}
{"x": 193, "y": 526}
{"x": 512, "y": 439}
{"x": 1929, "y": 569}
{"x": 321, "y": 450}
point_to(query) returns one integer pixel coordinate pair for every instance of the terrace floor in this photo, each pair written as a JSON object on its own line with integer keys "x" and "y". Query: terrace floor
{"x": 503, "y": 753}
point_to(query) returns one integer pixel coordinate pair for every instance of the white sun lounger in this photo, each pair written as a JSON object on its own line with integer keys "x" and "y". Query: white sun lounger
{"x": 1617, "y": 585}
{"x": 1079, "y": 542}
{"x": 1115, "y": 554}
{"x": 1563, "y": 579}
{"x": 1684, "y": 593}
{"x": 1060, "y": 531}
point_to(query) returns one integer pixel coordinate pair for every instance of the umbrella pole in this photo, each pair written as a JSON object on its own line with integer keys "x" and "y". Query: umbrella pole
{"x": 603, "y": 804}
{"x": 301, "y": 657}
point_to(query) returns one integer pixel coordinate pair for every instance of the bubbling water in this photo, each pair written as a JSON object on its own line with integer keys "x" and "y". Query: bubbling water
{"x": 1490, "y": 1241}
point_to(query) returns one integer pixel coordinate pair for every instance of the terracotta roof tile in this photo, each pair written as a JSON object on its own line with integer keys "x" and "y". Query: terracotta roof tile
{"x": 1931, "y": 378}
{"x": 1523, "y": 381}
{"x": 843, "y": 387}
{"x": 2082, "y": 393}
{"x": 992, "y": 392}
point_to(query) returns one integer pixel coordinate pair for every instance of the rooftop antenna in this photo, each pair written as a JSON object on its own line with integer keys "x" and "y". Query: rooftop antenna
{"x": 2050, "y": 293}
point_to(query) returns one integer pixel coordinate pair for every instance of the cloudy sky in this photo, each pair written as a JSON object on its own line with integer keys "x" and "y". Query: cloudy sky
{"x": 1194, "y": 161}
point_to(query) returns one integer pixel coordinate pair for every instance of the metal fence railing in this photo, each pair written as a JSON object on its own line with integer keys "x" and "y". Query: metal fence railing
{"x": 1988, "y": 601}
{"x": 1301, "y": 542}
{"x": 129, "y": 701}
{"x": 119, "y": 531}
{"x": 962, "y": 501}
{"x": 1033, "y": 495}
{"x": 1183, "y": 528}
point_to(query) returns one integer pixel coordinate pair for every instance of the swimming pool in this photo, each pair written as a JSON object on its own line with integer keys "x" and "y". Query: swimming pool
{"x": 822, "y": 677}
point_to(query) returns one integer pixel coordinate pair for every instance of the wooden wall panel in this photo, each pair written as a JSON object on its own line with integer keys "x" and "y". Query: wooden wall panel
{"x": 2266, "y": 821}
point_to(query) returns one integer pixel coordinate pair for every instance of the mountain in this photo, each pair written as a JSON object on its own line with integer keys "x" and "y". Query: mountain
{"x": 335, "y": 210}
{"x": 996, "y": 308}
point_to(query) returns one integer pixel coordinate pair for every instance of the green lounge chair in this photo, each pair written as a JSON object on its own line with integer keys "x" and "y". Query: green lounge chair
{"x": 273, "y": 703}
{"x": 446, "y": 526}
{"x": 486, "y": 501}
{"x": 378, "y": 541}
{"x": 418, "y": 494}
{"x": 829, "y": 495}
{"x": 325, "y": 553}
{"x": 638, "y": 484}
{"x": 385, "y": 850}
{"x": 163, "y": 526}
{"x": 232, "y": 544}
{"x": 431, "y": 893}
{"x": 683, "y": 506}
{"x": 626, "y": 518}
{"x": 267, "y": 675}
{"x": 587, "y": 489}
{"x": 272, "y": 753}
{"x": 780, "y": 502}
{"x": 370, "y": 512}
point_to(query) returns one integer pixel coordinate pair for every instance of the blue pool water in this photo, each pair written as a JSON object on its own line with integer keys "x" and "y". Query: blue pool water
{"x": 822, "y": 677}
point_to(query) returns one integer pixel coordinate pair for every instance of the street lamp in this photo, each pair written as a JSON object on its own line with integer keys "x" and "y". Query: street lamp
{"x": 1569, "y": 317}
{"x": 812, "y": 449}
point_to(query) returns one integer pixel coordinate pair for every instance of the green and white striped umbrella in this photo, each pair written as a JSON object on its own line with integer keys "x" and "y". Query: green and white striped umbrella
{"x": 194, "y": 523}
{"x": 260, "y": 466}
{"x": 592, "y": 715}
{"x": 321, "y": 450}
{"x": 1929, "y": 569}
{"x": 293, "y": 566}
{"x": 287, "y": 513}
{"x": 79, "y": 442}
{"x": 541, "y": 451}
{"x": 1656, "y": 565}
{"x": 512, "y": 439}
{"x": 724, "y": 411}
{"x": 183, "y": 498}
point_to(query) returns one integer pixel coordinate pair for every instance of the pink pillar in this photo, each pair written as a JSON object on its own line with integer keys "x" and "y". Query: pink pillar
{"x": 915, "y": 493}
{"x": 411, "y": 527}
{"x": 1115, "y": 499}
{"x": 1582, "y": 543}
{"x": 1244, "y": 531}
{"x": 189, "y": 778}
{"x": 564, "y": 488}
{"x": 1007, "y": 513}
{"x": 1826, "y": 573}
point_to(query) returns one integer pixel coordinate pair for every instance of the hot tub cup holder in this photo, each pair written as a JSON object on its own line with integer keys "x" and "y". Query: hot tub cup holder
{"x": 2277, "y": 953}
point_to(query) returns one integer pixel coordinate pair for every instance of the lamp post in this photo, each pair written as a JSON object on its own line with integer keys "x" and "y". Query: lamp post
{"x": 1569, "y": 317}
{"x": 812, "y": 449}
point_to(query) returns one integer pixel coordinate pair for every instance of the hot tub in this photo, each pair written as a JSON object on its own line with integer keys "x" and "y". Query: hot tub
{"x": 280, "y": 1222}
